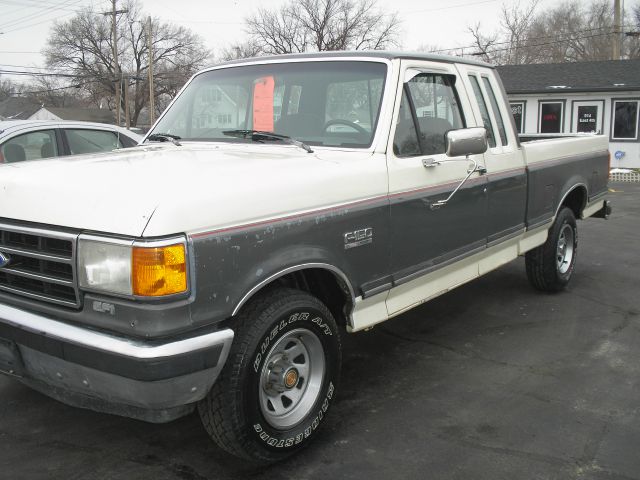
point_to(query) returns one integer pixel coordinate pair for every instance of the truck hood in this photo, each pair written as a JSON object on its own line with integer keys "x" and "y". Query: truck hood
{"x": 165, "y": 189}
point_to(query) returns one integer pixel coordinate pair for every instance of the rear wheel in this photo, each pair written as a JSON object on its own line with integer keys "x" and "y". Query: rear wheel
{"x": 550, "y": 266}
{"x": 279, "y": 380}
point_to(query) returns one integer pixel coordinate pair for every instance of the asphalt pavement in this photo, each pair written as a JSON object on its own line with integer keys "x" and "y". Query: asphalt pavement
{"x": 490, "y": 381}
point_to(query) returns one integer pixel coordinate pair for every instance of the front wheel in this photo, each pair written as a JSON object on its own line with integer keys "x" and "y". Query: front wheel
{"x": 279, "y": 380}
{"x": 550, "y": 266}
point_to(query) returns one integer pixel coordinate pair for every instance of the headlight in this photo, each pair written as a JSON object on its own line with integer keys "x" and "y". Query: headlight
{"x": 147, "y": 269}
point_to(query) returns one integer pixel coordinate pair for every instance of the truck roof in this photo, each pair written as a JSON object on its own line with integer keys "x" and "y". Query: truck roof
{"x": 384, "y": 54}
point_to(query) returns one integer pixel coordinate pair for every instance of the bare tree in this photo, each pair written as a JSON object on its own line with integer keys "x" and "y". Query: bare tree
{"x": 247, "y": 49}
{"x": 83, "y": 47}
{"x": 7, "y": 88}
{"x": 321, "y": 25}
{"x": 570, "y": 32}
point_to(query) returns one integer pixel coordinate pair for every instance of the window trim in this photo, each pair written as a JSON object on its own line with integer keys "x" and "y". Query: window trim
{"x": 613, "y": 119}
{"x": 523, "y": 120}
{"x": 562, "y": 102}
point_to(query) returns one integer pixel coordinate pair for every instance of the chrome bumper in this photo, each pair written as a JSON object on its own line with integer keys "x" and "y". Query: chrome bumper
{"x": 66, "y": 361}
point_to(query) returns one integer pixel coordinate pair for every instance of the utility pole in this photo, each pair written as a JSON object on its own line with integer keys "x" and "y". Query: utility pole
{"x": 116, "y": 68}
{"x": 616, "y": 30}
{"x": 127, "y": 117}
{"x": 152, "y": 106}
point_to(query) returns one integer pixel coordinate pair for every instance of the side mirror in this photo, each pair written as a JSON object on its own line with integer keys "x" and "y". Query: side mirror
{"x": 466, "y": 141}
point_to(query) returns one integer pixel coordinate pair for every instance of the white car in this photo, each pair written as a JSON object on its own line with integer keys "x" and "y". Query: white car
{"x": 22, "y": 140}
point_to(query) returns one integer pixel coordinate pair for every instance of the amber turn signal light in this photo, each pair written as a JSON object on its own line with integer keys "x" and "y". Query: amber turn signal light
{"x": 159, "y": 271}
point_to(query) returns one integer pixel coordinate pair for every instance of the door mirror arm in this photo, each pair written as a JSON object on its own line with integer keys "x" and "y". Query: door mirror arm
{"x": 481, "y": 169}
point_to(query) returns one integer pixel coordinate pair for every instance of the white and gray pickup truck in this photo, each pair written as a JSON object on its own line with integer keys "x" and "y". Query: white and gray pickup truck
{"x": 276, "y": 203}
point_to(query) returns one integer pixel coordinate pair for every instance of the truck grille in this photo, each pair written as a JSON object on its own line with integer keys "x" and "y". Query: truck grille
{"x": 41, "y": 264}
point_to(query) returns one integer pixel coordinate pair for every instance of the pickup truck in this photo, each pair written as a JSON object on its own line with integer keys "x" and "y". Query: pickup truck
{"x": 276, "y": 203}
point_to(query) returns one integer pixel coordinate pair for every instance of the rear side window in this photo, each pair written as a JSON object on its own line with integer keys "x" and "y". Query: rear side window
{"x": 484, "y": 111}
{"x": 429, "y": 109}
{"x": 496, "y": 110}
{"x": 30, "y": 146}
{"x": 91, "y": 141}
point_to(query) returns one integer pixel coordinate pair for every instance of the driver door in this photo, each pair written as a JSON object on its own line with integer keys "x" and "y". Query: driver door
{"x": 425, "y": 238}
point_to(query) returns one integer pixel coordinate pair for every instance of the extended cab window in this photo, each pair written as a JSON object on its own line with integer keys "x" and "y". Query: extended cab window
{"x": 332, "y": 103}
{"x": 496, "y": 110}
{"x": 484, "y": 111}
{"x": 429, "y": 109}
{"x": 30, "y": 146}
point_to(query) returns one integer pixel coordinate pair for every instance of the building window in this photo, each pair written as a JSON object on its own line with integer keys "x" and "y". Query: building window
{"x": 517, "y": 109}
{"x": 625, "y": 120}
{"x": 551, "y": 117}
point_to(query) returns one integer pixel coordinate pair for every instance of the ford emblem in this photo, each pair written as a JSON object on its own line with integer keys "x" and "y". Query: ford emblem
{"x": 4, "y": 260}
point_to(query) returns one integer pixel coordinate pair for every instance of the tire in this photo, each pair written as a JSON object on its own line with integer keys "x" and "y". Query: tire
{"x": 279, "y": 380}
{"x": 550, "y": 266}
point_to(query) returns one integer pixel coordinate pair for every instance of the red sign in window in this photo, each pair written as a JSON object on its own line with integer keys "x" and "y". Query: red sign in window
{"x": 263, "y": 104}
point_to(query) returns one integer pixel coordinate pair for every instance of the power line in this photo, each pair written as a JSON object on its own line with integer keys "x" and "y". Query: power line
{"x": 442, "y": 50}
{"x": 33, "y": 16}
{"x": 542, "y": 44}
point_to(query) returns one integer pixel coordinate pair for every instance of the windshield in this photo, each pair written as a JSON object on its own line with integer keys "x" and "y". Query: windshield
{"x": 319, "y": 103}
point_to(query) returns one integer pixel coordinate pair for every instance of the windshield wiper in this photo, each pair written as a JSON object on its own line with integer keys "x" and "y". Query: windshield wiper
{"x": 259, "y": 136}
{"x": 165, "y": 137}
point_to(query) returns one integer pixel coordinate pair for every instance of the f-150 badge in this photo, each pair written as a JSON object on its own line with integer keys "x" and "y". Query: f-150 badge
{"x": 358, "y": 238}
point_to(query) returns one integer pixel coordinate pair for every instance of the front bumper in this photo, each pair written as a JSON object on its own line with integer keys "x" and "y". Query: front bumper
{"x": 107, "y": 372}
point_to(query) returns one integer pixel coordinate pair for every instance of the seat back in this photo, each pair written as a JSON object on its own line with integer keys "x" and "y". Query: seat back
{"x": 14, "y": 153}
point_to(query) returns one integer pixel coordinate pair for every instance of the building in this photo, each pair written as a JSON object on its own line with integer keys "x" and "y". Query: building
{"x": 601, "y": 96}
{"x": 99, "y": 115}
{"x": 20, "y": 108}
{"x": 17, "y": 108}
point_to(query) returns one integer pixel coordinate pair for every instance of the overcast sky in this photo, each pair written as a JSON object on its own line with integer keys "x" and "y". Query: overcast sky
{"x": 25, "y": 24}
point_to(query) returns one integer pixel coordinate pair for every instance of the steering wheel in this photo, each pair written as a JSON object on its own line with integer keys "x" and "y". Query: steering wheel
{"x": 339, "y": 121}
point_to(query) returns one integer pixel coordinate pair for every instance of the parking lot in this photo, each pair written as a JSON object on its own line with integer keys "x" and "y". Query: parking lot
{"x": 491, "y": 381}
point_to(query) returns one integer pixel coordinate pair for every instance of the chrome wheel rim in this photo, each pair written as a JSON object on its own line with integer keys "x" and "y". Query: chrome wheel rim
{"x": 565, "y": 249}
{"x": 291, "y": 378}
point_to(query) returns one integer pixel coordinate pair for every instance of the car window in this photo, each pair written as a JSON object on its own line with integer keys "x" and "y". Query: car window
{"x": 484, "y": 111}
{"x": 320, "y": 103}
{"x": 405, "y": 140}
{"x": 91, "y": 141}
{"x": 432, "y": 101}
{"x": 502, "y": 132}
{"x": 30, "y": 146}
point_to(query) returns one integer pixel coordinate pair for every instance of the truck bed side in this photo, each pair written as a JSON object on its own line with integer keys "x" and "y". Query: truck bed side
{"x": 559, "y": 167}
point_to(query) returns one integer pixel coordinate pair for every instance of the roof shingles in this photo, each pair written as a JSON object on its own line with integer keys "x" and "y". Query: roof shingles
{"x": 610, "y": 75}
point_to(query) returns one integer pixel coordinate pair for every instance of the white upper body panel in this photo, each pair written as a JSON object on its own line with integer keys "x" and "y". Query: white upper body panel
{"x": 165, "y": 189}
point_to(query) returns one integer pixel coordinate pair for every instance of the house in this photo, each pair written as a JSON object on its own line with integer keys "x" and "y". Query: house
{"x": 99, "y": 115}
{"x": 18, "y": 108}
{"x": 600, "y": 96}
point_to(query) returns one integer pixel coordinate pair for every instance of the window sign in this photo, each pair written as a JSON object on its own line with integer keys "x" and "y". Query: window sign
{"x": 587, "y": 119}
{"x": 263, "y": 100}
{"x": 551, "y": 117}
{"x": 625, "y": 120}
{"x": 517, "y": 110}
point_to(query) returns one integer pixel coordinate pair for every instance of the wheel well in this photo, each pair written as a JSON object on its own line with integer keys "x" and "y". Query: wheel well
{"x": 576, "y": 200}
{"x": 325, "y": 285}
